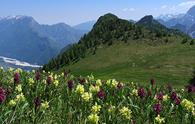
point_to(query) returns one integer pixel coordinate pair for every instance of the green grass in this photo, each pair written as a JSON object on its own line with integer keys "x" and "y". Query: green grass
{"x": 139, "y": 62}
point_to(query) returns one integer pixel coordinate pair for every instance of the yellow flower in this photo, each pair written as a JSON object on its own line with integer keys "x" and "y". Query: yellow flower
{"x": 45, "y": 105}
{"x": 55, "y": 76}
{"x": 33, "y": 71}
{"x": 98, "y": 82}
{"x": 56, "y": 83}
{"x": 12, "y": 103}
{"x": 96, "y": 108}
{"x": 159, "y": 120}
{"x": 188, "y": 105}
{"x": 134, "y": 92}
{"x": 126, "y": 113}
{"x": 93, "y": 118}
{"x": 111, "y": 109}
{"x": 31, "y": 81}
{"x": 10, "y": 69}
{"x": 20, "y": 97}
{"x": 19, "y": 88}
{"x": 108, "y": 82}
{"x": 80, "y": 89}
{"x": 94, "y": 88}
{"x": 86, "y": 96}
{"x": 165, "y": 97}
{"x": 114, "y": 83}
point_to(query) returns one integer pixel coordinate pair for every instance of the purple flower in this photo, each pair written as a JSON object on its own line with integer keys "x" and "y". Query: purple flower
{"x": 81, "y": 81}
{"x": 70, "y": 84}
{"x": 157, "y": 108}
{"x": 49, "y": 80}
{"x": 190, "y": 88}
{"x": 159, "y": 96}
{"x": 2, "y": 95}
{"x": 37, "y": 76}
{"x": 37, "y": 102}
{"x": 141, "y": 92}
{"x": 101, "y": 94}
{"x": 16, "y": 78}
{"x": 153, "y": 82}
{"x": 149, "y": 93}
{"x": 173, "y": 95}
{"x": 177, "y": 101}
{"x": 119, "y": 85}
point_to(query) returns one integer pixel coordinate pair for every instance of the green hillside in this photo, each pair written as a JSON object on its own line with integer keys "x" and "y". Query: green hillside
{"x": 116, "y": 48}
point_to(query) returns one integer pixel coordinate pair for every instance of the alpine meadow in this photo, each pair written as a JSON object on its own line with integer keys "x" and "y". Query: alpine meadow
{"x": 97, "y": 62}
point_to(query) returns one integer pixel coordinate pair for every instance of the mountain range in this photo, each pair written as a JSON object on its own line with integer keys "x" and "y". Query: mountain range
{"x": 183, "y": 22}
{"x": 22, "y": 38}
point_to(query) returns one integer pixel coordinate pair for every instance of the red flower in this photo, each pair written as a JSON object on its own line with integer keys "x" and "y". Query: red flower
{"x": 81, "y": 81}
{"x": 177, "y": 101}
{"x": 70, "y": 84}
{"x": 16, "y": 78}
{"x": 153, "y": 82}
{"x": 190, "y": 88}
{"x": 2, "y": 95}
{"x": 101, "y": 94}
{"x": 37, "y": 76}
{"x": 49, "y": 80}
{"x": 157, "y": 108}
{"x": 141, "y": 92}
{"x": 159, "y": 96}
{"x": 173, "y": 95}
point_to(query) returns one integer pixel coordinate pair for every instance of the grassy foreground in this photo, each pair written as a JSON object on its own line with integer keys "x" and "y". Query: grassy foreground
{"x": 139, "y": 62}
{"x": 33, "y": 97}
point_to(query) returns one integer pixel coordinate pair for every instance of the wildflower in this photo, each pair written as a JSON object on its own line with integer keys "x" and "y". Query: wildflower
{"x": 120, "y": 85}
{"x": 12, "y": 103}
{"x": 153, "y": 82}
{"x": 149, "y": 93}
{"x": 2, "y": 95}
{"x": 159, "y": 119}
{"x": 173, "y": 95}
{"x": 134, "y": 92}
{"x": 37, "y": 76}
{"x": 141, "y": 92}
{"x": 111, "y": 109}
{"x": 159, "y": 96}
{"x": 16, "y": 78}
{"x": 49, "y": 80}
{"x": 101, "y": 94}
{"x": 56, "y": 83}
{"x": 70, "y": 84}
{"x": 31, "y": 81}
{"x": 44, "y": 105}
{"x": 165, "y": 97}
{"x": 20, "y": 97}
{"x": 177, "y": 101}
{"x": 96, "y": 108}
{"x": 93, "y": 118}
{"x": 114, "y": 83}
{"x": 190, "y": 88}
{"x": 157, "y": 108}
{"x": 80, "y": 89}
{"x": 98, "y": 82}
{"x": 81, "y": 81}
{"x": 188, "y": 105}
{"x": 94, "y": 88}
{"x": 126, "y": 113}
{"x": 19, "y": 88}
{"x": 37, "y": 102}
{"x": 86, "y": 96}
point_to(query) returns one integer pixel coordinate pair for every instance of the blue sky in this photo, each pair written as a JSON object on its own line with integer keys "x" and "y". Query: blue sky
{"x": 76, "y": 11}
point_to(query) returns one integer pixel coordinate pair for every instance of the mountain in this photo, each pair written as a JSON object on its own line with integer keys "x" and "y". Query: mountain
{"x": 117, "y": 48}
{"x": 108, "y": 30}
{"x": 86, "y": 26}
{"x": 22, "y": 38}
{"x": 183, "y": 22}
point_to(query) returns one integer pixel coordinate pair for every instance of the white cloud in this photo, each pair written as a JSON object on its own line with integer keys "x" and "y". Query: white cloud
{"x": 129, "y": 9}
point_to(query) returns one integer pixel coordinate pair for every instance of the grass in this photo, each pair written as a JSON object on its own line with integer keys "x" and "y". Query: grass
{"x": 139, "y": 62}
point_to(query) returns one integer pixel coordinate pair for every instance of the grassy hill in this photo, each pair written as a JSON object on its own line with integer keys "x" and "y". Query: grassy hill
{"x": 116, "y": 48}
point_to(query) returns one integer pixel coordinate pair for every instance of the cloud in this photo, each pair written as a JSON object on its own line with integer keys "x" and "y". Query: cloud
{"x": 179, "y": 8}
{"x": 128, "y": 9}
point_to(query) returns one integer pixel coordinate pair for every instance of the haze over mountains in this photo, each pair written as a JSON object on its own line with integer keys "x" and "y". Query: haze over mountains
{"x": 22, "y": 38}
{"x": 183, "y": 22}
